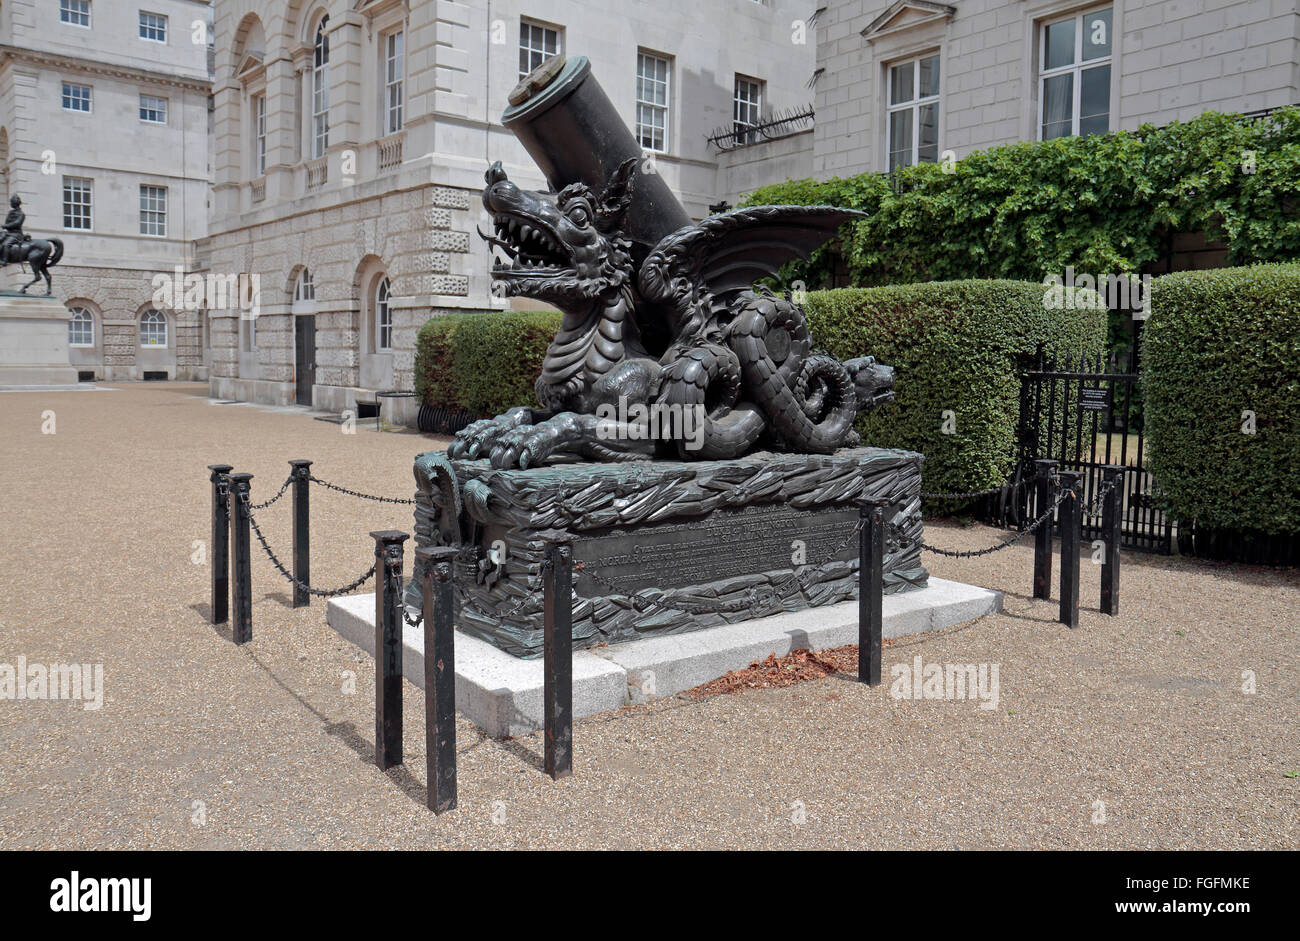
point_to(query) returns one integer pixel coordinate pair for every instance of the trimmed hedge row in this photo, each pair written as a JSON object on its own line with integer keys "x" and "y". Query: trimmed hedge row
{"x": 482, "y": 363}
{"x": 1222, "y": 355}
{"x": 957, "y": 347}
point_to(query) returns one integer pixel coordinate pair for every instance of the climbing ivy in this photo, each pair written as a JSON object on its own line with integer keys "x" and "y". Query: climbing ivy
{"x": 1102, "y": 204}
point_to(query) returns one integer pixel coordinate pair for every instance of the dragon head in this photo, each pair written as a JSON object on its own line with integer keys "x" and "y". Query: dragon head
{"x": 567, "y": 252}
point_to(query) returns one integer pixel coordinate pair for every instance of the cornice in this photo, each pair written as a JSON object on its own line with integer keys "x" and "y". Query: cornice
{"x": 56, "y": 60}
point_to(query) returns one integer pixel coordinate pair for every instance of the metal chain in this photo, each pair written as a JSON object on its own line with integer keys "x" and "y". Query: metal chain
{"x": 1095, "y": 507}
{"x": 262, "y": 506}
{"x": 363, "y": 496}
{"x": 318, "y": 592}
{"x": 976, "y": 553}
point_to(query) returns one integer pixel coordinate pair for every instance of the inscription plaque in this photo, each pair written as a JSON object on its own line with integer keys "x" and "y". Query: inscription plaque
{"x": 725, "y": 544}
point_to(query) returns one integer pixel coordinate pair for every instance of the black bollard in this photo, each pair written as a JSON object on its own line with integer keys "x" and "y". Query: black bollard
{"x": 438, "y": 608}
{"x": 557, "y": 683}
{"x": 301, "y": 474}
{"x": 241, "y": 578}
{"x": 219, "y": 559}
{"x": 1111, "y": 516}
{"x": 388, "y": 647}
{"x": 871, "y": 560}
{"x": 1071, "y": 524}
{"x": 1043, "y": 537}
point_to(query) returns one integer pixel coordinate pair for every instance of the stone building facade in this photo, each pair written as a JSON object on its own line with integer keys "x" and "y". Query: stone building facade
{"x": 912, "y": 79}
{"x": 104, "y": 134}
{"x": 351, "y": 140}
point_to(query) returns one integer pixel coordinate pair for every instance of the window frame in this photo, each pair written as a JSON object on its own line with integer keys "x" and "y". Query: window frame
{"x": 165, "y": 329}
{"x": 665, "y": 109}
{"x": 383, "y": 315}
{"x": 259, "y": 134}
{"x": 153, "y": 216}
{"x": 526, "y": 47}
{"x": 746, "y": 137}
{"x": 391, "y": 63}
{"x": 64, "y": 6}
{"x": 141, "y": 26}
{"x": 164, "y": 111}
{"x": 1076, "y": 68}
{"x": 304, "y": 287}
{"x": 320, "y": 90}
{"x": 913, "y": 104}
{"x": 88, "y": 205}
{"x": 74, "y": 320}
{"x": 64, "y": 97}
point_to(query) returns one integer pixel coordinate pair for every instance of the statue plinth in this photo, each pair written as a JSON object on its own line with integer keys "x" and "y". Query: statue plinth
{"x": 726, "y": 541}
{"x": 34, "y": 341}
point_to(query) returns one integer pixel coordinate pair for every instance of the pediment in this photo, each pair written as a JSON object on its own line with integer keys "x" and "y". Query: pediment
{"x": 907, "y": 14}
{"x": 250, "y": 65}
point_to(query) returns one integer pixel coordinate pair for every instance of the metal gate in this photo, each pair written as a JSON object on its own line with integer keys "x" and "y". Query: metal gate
{"x": 1086, "y": 415}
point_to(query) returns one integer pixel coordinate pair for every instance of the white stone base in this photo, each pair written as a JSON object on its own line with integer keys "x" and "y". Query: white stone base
{"x": 34, "y": 342}
{"x": 503, "y": 694}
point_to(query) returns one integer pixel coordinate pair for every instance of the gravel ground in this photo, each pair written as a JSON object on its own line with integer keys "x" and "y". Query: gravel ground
{"x": 201, "y": 744}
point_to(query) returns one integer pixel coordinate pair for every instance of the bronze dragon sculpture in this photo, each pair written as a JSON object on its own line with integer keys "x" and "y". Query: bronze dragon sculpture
{"x": 680, "y": 327}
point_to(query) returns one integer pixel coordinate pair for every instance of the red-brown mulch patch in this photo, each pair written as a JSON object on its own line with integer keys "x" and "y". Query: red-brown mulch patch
{"x": 795, "y": 667}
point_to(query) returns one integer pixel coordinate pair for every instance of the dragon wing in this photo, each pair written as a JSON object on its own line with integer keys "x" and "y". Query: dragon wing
{"x": 725, "y": 253}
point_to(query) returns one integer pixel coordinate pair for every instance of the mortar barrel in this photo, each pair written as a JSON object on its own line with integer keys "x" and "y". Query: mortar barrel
{"x": 574, "y": 133}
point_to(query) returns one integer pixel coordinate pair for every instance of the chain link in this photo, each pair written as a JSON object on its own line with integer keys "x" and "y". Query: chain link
{"x": 318, "y": 592}
{"x": 976, "y": 553}
{"x": 363, "y": 496}
{"x": 262, "y": 506}
{"x": 1096, "y": 506}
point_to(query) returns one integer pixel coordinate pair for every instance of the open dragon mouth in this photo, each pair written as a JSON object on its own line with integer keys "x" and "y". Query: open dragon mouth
{"x": 529, "y": 248}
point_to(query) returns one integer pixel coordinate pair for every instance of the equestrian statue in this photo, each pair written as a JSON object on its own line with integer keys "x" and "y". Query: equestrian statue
{"x": 16, "y": 246}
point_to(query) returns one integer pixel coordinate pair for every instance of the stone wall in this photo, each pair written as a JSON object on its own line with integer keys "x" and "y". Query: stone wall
{"x": 1171, "y": 60}
{"x": 116, "y": 299}
{"x": 417, "y": 234}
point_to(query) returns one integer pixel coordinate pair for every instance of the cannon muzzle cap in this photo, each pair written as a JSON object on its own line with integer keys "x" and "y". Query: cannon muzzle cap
{"x": 536, "y": 80}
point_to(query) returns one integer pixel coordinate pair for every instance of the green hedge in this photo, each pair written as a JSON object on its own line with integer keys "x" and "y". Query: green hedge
{"x": 483, "y": 363}
{"x": 956, "y": 346}
{"x": 1103, "y": 204}
{"x": 1217, "y": 344}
